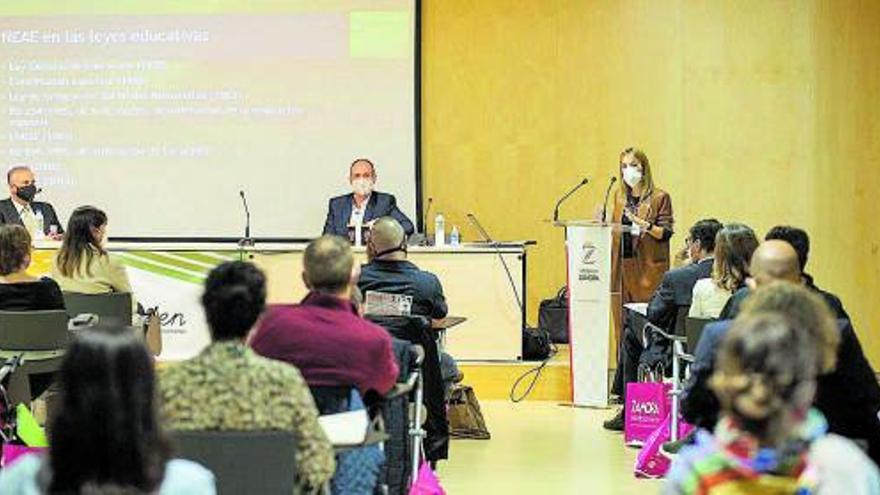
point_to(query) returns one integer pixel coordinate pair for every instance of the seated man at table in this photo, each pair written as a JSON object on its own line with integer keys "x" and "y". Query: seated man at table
{"x": 20, "y": 207}
{"x": 674, "y": 292}
{"x": 389, "y": 271}
{"x": 363, "y": 205}
{"x": 323, "y": 336}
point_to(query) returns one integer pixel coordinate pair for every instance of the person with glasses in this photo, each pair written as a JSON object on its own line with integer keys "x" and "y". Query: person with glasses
{"x": 674, "y": 292}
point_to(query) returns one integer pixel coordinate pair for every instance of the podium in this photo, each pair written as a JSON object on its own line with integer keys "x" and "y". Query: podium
{"x": 588, "y": 246}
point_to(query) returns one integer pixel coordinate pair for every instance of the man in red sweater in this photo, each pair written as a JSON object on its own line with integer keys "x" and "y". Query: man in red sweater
{"x": 323, "y": 336}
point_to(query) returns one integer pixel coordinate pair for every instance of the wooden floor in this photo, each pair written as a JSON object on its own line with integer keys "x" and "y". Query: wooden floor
{"x": 543, "y": 448}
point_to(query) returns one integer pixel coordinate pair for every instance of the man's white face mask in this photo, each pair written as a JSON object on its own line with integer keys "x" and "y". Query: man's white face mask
{"x": 632, "y": 175}
{"x": 362, "y": 186}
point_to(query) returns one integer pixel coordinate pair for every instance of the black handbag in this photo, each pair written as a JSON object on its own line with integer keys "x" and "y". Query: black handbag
{"x": 553, "y": 316}
{"x": 535, "y": 344}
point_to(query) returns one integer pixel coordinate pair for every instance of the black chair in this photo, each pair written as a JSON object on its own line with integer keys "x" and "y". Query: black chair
{"x": 693, "y": 331}
{"x": 110, "y": 306}
{"x": 41, "y": 337}
{"x": 243, "y": 461}
{"x": 417, "y": 330}
{"x": 403, "y": 445}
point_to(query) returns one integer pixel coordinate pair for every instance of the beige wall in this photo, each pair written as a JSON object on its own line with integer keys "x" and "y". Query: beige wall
{"x": 755, "y": 111}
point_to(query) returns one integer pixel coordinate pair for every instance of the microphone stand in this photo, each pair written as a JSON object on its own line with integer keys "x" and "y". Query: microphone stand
{"x": 569, "y": 193}
{"x": 497, "y": 247}
{"x": 246, "y": 241}
{"x": 425, "y": 219}
{"x": 607, "y": 193}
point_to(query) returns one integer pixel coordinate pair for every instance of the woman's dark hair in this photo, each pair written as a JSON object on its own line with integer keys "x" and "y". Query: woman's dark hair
{"x": 79, "y": 241}
{"x": 734, "y": 246}
{"x": 235, "y": 296}
{"x": 106, "y": 430}
{"x": 15, "y": 248}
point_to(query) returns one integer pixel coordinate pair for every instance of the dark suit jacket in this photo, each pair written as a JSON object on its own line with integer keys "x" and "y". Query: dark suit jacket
{"x": 732, "y": 308}
{"x": 675, "y": 291}
{"x": 9, "y": 214}
{"x": 849, "y": 396}
{"x": 379, "y": 205}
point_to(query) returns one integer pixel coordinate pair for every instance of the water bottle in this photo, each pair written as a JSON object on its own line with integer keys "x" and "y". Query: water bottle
{"x": 439, "y": 230}
{"x": 454, "y": 237}
{"x": 40, "y": 233}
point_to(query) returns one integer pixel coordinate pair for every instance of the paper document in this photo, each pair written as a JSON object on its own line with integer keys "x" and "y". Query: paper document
{"x": 348, "y": 428}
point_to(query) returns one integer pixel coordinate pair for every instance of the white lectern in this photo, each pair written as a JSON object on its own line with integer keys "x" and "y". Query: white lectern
{"x": 588, "y": 246}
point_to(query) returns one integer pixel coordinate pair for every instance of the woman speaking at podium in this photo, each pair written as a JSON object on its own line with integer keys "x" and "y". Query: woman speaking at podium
{"x": 640, "y": 253}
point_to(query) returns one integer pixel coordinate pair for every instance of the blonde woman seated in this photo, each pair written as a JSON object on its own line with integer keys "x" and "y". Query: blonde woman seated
{"x": 769, "y": 440}
{"x": 734, "y": 246}
{"x": 83, "y": 264}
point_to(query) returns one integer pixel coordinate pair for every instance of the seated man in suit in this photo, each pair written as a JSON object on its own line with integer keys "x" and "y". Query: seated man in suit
{"x": 323, "y": 336}
{"x": 364, "y": 205}
{"x": 674, "y": 292}
{"x": 21, "y": 208}
{"x": 847, "y": 394}
{"x": 800, "y": 241}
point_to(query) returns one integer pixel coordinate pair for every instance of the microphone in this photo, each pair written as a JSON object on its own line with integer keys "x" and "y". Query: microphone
{"x": 569, "y": 193}
{"x": 246, "y": 241}
{"x": 607, "y": 193}
{"x": 494, "y": 244}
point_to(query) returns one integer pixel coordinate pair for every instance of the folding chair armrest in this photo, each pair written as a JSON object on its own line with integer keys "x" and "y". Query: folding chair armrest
{"x": 400, "y": 389}
{"x": 650, "y": 327}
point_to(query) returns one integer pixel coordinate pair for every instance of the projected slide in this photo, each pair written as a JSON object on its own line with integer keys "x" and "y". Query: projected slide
{"x": 160, "y": 112}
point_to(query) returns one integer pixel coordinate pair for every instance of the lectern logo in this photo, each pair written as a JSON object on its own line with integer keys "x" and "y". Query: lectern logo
{"x": 589, "y": 259}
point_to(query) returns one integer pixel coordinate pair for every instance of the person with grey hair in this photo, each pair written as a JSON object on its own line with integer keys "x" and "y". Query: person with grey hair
{"x": 37, "y": 217}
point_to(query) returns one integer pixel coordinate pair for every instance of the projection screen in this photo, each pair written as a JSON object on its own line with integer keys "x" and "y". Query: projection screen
{"x": 160, "y": 112}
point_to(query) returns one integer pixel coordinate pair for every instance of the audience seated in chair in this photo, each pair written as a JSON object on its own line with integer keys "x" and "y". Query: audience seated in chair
{"x": 229, "y": 387}
{"x": 734, "y": 246}
{"x": 22, "y": 292}
{"x": 83, "y": 264}
{"x": 768, "y": 439}
{"x": 106, "y": 437}
{"x": 848, "y": 394}
{"x": 673, "y": 293}
{"x": 800, "y": 241}
{"x": 323, "y": 336}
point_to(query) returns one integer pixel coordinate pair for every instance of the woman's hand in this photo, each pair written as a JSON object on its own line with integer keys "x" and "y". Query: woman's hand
{"x": 635, "y": 219}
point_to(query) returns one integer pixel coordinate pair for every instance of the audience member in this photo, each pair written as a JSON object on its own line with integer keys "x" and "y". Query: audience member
{"x": 800, "y": 241}
{"x": 83, "y": 264}
{"x": 673, "y": 293}
{"x": 389, "y": 271}
{"x": 18, "y": 290}
{"x": 733, "y": 253}
{"x": 848, "y": 394}
{"x": 323, "y": 336}
{"x": 228, "y": 387}
{"x": 769, "y": 440}
{"x": 106, "y": 437}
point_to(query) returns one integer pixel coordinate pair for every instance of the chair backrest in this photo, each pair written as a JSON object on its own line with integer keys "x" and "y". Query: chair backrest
{"x": 694, "y": 329}
{"x": 33, "y": 330}
{"x": 109, "y": 306}
{"x": 681, "y": 316}
{"x": 330, "y": 399}
{"x": 243, "y": 461}
{"x": 411, "y": 328}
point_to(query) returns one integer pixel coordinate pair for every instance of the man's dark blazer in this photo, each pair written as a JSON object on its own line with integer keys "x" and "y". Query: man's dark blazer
{"x": 676, "y": 291}
{"x": 734, "y": 304}
{"x": 849, "y": 396}
{"x": 9, "y": 214}
{"x": 379, "y": 205}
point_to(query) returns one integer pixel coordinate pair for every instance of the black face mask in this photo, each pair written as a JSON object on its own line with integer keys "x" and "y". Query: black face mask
{"x": 27, "y": 193}
{"x": 401, "y": 248}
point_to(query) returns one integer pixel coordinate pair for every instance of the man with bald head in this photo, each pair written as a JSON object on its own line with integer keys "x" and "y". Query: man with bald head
{"x": 324, "y": 336}
{"x": 363, "y": 205}
{"x": 21, "y": 208}
{"x": 775, "y": 259}
{"x": 389, "y": 271}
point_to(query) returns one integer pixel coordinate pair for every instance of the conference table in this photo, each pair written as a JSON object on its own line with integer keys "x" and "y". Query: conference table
{"x": 171, "y": 275}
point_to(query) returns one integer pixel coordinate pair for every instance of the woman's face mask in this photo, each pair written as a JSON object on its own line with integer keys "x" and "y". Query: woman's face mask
{"x": 632, "y": 175}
